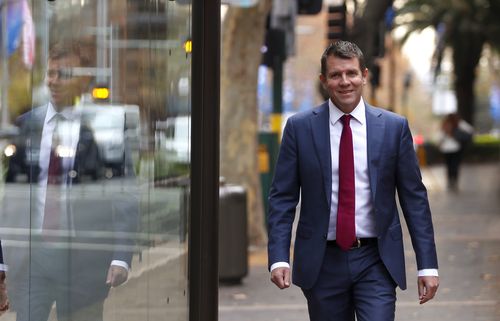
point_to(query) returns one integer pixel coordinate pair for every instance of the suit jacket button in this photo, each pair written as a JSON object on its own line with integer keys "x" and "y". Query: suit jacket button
{"x": 325, "y": 236}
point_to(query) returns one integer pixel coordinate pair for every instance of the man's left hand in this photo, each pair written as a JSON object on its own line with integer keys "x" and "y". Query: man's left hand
{"x": 427, "y": 288}
{"x": 117, "y": 275}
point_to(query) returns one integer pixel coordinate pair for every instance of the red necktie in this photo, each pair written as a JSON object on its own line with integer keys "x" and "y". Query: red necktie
{"x": 346, "y": 229}
{"x": 52, "y": 214}
{"x": 55, "y": 168}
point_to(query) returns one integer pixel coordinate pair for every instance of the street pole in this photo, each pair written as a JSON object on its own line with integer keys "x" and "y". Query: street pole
{"x": 5, "y": 70}
{"x": 277, "y": 95}
{"x": 101, "y": 34}
{"x": 277, "y": 60}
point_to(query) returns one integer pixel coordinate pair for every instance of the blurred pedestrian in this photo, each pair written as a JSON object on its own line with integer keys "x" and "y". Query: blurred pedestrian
{"x": 345, "y": 160}
{"x": 454, "y": 137}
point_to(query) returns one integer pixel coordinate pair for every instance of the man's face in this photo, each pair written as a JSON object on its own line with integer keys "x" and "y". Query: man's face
{"x": 64, "y": 87}
{"x": 344, "y": 81}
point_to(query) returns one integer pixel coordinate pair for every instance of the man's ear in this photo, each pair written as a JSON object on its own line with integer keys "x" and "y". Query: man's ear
{"x": 365, "y": 75}
{"x": 322, "y": 79}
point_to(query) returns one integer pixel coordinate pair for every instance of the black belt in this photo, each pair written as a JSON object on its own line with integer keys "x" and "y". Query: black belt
{"x": 357, "y": 244}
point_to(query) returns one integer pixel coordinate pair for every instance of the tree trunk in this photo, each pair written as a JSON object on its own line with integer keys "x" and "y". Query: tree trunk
{"x": 467, "y": 50}
{"x": 366, "y": 27}
{"x": 242, "y": 37}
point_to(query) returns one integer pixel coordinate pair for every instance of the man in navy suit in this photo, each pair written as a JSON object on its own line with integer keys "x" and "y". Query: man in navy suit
{"x": 70, "y": 228}
{"x": 348, "y": 253}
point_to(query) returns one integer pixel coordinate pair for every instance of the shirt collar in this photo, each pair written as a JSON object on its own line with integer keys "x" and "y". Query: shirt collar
{"x": 358, "y": 113}
{"x": 68, "y": 113}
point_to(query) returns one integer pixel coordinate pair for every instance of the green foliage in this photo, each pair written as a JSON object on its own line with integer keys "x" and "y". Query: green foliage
{"x": 486, "y": 148}
{"x": 486, "y": 139}
{"x": 160, "y": 167}
{"x": 462, "y": 25}
{"x": 480, "y": 17}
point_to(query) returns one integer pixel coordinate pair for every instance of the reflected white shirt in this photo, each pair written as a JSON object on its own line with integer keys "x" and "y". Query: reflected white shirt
{"x": 69, "y": 133}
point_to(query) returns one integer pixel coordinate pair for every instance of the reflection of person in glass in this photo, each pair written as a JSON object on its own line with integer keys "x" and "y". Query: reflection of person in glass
{"x": 80, "y": 222}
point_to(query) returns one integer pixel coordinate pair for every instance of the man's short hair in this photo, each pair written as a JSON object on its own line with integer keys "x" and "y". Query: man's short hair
{"x": 345, "y": 50}
{"x": 72, "y": 48}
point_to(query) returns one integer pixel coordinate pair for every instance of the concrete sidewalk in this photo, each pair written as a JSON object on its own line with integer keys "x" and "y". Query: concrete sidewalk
{"x": 467, "y": 226}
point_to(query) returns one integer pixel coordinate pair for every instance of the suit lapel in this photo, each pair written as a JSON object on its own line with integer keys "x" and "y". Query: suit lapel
{"x": 321, "y": 137}
{"x": 375, "y": 128}
{"x": 32, "y": 131}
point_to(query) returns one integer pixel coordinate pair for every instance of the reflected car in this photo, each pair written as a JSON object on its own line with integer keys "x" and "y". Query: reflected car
{"x": 10, "y": 151}
{"x": 176, "y": 138}
{"x": 115, "y": 129}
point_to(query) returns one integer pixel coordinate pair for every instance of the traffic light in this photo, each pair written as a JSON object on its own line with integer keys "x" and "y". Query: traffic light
{"x": 336, "y": 23}
{"x": 309, "y": 6}
{"x": 100, "y": 93}
{"x": 274, "y": 47}
{"x": 188, "y": 46}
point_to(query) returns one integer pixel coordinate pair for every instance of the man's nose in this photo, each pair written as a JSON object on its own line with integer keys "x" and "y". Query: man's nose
{"x": 343, "y": 78}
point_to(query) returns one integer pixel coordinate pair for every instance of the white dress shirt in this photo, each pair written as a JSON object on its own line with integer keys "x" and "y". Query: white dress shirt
{"x": 68, "y": 131}
{"x": 365, "y": 222}
{"x": 364, "y": 219}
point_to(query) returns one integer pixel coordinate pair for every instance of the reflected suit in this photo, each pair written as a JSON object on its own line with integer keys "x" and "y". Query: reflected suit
{"x": 101, "y": 217}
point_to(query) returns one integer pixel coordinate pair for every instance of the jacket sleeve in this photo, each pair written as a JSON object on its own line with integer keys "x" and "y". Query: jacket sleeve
{"x": 283, "y": 198}
{"x": 414, "y": 202}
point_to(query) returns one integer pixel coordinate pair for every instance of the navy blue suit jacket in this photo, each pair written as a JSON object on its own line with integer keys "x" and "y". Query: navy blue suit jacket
{"x": 304, "y": 168}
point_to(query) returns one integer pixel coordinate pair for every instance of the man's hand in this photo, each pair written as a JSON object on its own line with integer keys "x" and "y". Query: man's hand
{"x": 116, "y": 275}
{"x": 4, "y": 301}
{"x": 427, "y": 287}
{"x": 281, "y": 277}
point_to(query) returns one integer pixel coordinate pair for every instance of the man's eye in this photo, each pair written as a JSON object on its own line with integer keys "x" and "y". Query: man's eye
{"x": 64, "y": 73}
{"x": 52, "y": 73}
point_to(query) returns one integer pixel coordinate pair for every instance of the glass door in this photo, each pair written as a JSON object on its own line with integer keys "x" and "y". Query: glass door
{"x": 96, "y": 158}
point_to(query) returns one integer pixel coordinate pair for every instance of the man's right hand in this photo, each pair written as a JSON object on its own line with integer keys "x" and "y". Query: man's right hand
{"x": 4, "y": 301}
{"x": 281, "y": 277}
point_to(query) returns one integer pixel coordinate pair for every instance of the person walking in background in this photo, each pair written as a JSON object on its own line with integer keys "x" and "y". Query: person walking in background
{"x": 345, "y": 160}
{"x": 454, "y": 137}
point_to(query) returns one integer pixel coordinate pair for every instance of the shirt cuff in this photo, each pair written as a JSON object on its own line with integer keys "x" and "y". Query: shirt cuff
{"x": 279, "y": 264}
{"x": 428, "y": 272}
{"x": 4, "y": 267}
{"x": 123, "y": 264}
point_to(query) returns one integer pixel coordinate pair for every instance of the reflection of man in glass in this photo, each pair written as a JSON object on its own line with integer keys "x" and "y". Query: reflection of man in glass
{"x": 80, "y": 223}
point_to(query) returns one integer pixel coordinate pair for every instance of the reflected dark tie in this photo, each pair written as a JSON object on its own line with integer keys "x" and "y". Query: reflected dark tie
{"x": 346, "y": 229}
{"x": 51, "y": 219}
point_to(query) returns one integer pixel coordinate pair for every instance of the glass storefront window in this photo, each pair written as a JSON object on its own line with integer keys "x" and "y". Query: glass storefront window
{"x": 96, "y": 158}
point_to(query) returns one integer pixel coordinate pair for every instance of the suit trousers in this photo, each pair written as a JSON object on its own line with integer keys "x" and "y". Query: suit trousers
{"x": 51, "y": 281}
{"x": 352, "y": 283}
